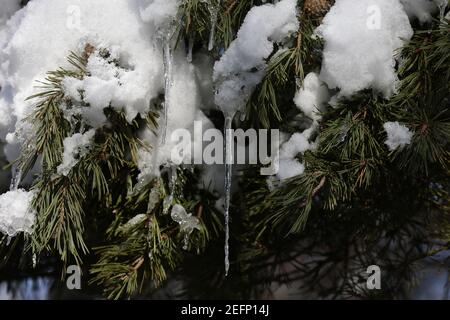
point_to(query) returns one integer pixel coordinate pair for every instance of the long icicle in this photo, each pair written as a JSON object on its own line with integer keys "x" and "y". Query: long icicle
{"x": 190, "y": 48}
{"x": 168, "y": 66}
{"x": 442, "y": 7}
{"x": 228, "y": 148}
{"x": 213, "y": 7}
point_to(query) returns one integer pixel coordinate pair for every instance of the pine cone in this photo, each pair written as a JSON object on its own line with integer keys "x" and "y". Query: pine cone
{"x": 88, "y": 50}
{"x": 317, "y": 9}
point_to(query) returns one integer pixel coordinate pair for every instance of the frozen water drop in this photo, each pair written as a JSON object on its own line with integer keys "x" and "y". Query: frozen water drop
{"x": 187, "y": 223}
{"x": 16, "y": 179}
{"x": 167, "y": 203}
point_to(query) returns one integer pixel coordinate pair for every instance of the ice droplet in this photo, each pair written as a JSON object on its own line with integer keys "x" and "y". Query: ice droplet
{"x": 167, "y": 203}
{"x": 16, "y": 179}
{"x": 186, "y": 221}
{"x": 153, "y": 198}
{"x": 442, "y": 7}
{"x": 343, "y": 132}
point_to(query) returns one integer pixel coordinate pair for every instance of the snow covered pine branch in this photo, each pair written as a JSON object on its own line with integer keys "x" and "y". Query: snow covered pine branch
{"x": 90, "y": 101}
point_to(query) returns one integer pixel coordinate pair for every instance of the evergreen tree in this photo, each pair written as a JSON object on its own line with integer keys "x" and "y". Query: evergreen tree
{"x": 361, "y": 199}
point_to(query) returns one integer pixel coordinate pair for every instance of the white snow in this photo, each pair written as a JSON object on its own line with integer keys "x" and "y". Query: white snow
{"x": 160, "y": 13}
{"x": 232, "y": 94}
{"x": 8, "y": 7}
{"x": 290, "y": 168}
{"x": 397, "y": 135}
{"x": 75, "y": 147}
{"x": 130, "y": 31}
{"x": 262, "y": 26}
{"x": 310, "y": 99}
{"x": 299, "y": 143}
{"x": 16, "y": 214}
{"x": 32, "y": 48}
{"x": 108, "y": 84}
{"x": 185, "y": 110}
{"x": 234, "y": 73}
{"x": 361, "y": 38}
{"x": 312, "y": 96}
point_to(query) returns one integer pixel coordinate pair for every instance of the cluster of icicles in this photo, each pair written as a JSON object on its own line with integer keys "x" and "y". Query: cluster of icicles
{"x": 187, "y": 222}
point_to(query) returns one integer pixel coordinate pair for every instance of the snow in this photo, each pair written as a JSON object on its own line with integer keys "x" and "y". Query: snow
{"x": 31, "y": 48}
{"x": 108, "y": 84}
{"x": 299, "y": 143}
{"x": 311, "y": 99}
{"x": 312, "y": 96}
{"x": 290, "y": 168}
{"x": 7, "y": 10}
{"x": 160, "y": 13}
{"x": 131, "y": 77}
{"x": 242, "y": 67}
{"x": 75, "y": 147}
{"x": 397, "y": 135}
{"x": 185, "y": 110}
{"x": 16, "y": 214}
{"x": 361, "y": 38}
{"x": 273, "y": 23}
{"x": 233, "y": 94}
{"x": 234, "y": 73}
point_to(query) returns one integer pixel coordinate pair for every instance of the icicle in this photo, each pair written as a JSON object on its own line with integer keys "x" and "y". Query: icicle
{"x": 343, "y": 132}
{"x": 186, "y": 242}
{"x": 137, "y": 219}
{"x": 168, "y": 84}
{"x": 16, "y": 179}
{"x": 34, "y": 259}
{"x": 187, "y": 223}
{"x": 228, "y": 180}
{"x": 153, "y": 197}
{"x": 213, "y": 8}
{"x": 442, "y": 7}
{"x": 8, "y": 240}
{"x": 190, "y": 48}
{"x": 172, "y": 184}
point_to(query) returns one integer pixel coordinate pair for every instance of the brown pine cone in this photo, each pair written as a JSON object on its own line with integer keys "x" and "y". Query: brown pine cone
{"x": 317, "y": 9}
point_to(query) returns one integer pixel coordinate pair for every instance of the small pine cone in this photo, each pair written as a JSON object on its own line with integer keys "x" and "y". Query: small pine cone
{"x": 88, "y": 50}
{"x": 317, "y": 9}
